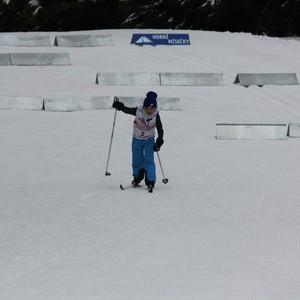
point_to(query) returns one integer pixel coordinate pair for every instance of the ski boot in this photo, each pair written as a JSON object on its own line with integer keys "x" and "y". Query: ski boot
{"x": 150, "y": 185}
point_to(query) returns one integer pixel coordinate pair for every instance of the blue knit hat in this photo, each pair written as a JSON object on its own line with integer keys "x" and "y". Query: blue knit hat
{"x": 150, "y": 100}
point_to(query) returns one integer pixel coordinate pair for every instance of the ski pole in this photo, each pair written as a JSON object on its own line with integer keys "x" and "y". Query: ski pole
{"x": 111, "y": 139}
{"x": 165, "y": 180}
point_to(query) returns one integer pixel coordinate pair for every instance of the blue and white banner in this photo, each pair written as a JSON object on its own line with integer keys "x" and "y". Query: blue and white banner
{"x": 160, "y": 39}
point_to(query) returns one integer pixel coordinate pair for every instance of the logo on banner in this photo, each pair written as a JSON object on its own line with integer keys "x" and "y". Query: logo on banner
{"x": 160, "y": 39}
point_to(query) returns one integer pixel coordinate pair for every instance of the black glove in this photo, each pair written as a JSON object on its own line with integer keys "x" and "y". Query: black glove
{"x": 159, "y": 142}
{"x": 118, "y": 105}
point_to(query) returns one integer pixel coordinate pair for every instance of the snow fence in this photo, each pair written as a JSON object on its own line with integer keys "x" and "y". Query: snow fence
{"x": 154, "y": 79}
{"x": 191, "y": 79}
{"x": 83, "y": 40}
{"x": 163, "y": 103}
{"x": 5, "y": 59}
{"x": 68, "y": 104}
{"x": 294, "y": 130}
{"x": 128, "y": 78}
{"x": 252, "y": 131}
{"x": 22, "y": 103}
{"x": 25, "y": 40}
{"x": 40, "y": 59}
{"x": 261, "y": 79}
{"x": 77, "y": 104}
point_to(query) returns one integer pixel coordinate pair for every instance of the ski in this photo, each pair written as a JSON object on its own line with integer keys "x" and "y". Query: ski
{"x": 149, "y": 189}
{"x": 122, "y": 187}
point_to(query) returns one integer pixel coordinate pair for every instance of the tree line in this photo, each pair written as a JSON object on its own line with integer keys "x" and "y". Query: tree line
{"x": 267, "y": 17}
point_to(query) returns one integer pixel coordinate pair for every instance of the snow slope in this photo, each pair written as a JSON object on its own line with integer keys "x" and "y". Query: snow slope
{"x": 226, "y": 226}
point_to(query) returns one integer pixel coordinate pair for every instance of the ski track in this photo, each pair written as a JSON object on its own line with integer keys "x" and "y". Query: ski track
{"x": 200, "y": 63}
{"x": 194, "y": 232}
{"x": 63, "y": 224}
{"x": 280, "y": 98}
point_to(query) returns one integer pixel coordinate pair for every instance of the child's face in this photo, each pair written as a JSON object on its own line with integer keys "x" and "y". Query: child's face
{"x": 149, "y": 110}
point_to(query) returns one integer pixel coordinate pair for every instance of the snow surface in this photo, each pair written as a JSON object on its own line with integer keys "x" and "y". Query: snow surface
{"x": 227, "y": 224}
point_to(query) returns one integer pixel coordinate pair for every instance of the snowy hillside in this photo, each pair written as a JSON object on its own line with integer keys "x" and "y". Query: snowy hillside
{"x": 226, "y": 226}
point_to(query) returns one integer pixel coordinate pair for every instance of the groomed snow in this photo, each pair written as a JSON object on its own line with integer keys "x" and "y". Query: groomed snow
{"x": 227, "y": 224}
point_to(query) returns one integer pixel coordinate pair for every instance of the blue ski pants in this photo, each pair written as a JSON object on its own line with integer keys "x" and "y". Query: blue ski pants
{"x": 143, "y": 157}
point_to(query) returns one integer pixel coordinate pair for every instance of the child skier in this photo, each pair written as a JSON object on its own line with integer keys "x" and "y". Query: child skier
{"x": 147, "y": 118}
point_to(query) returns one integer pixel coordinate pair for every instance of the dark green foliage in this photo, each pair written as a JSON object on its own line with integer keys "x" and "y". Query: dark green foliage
{"x": 236, "y": 15}
{"x": 171, "y": 14}
{"x": 56, "y": 15}
{"x": 280, "y": 18}
{"x": 75, "y": 15}
{"x": 270, "y": 17}
{"x": 15, "y": 16}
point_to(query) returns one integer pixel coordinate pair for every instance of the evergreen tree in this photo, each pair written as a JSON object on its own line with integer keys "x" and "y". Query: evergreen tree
{"x": 169, "y": 14}
{"x": 280, "y": 18}
{"x": 270, "y": 17}
{"x": 78, "y": 15}
{"x": 56, "y": 15}
{"x": 15, "y": 15}
{"x": 235, "y": 16}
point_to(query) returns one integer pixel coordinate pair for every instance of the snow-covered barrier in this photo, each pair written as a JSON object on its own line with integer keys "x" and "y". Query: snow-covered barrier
{"x": 5, "y": 59}
{"x": 40, "y": 59}
{"x": 294, "y": 130}
{"x": 128, "y": 78}
{"x": 77, "y": 103}
{"x": 252, "y": 131}
{"x": 261, "y": 79}
{"x": 22, "y": 103}
{"x": 83, "y": 40}
{"x": 163, "y": 103}
{"x": 25, "y": 40}
{"x": 192, "y": 79}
